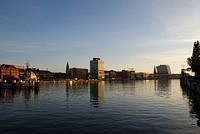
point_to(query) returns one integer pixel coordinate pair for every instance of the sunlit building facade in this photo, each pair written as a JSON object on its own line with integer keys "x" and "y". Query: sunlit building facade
{"x": 9, "y": 72}
{"x": 97, "y": 69}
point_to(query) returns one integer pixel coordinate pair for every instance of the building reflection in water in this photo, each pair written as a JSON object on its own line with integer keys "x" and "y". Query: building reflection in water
{"x": 97, "y": 91}
{"x": 162, "y": 87}
{"x": 76, "y": 88}
{"x": 194, "y": 104}
{"x": 76, "y": 84}
{"x": 8, "y": 95}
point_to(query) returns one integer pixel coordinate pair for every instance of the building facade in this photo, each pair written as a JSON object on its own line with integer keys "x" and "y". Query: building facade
{"x": 79, "y": 73}
{"x": 162, "y": 69}
{"x": 97, "y": 69}
{"x": 142, "y": 76}
{"x": 9, "y": 72}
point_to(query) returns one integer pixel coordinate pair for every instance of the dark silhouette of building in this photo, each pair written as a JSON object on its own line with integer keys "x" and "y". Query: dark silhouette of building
{"x": 59, "y": 76}
{"x": 127, "y": 75}
{"x": 46, "y": 75}
{"x": 141, "y": 76}
{"x": 110, "y": 75}
{"x": 67, "y": 71}
{"x": 79, "y": 73}
{"x": 120, "y": 75}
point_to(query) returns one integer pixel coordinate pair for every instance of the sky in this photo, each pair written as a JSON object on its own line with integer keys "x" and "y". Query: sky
{"x": 138, "y": 34}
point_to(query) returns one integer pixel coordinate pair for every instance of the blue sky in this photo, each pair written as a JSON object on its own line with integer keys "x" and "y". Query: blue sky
{"x": 124, "y": 33}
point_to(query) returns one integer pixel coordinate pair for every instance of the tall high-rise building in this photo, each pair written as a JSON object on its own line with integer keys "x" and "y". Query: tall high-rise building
{"x": 97, "y": 69}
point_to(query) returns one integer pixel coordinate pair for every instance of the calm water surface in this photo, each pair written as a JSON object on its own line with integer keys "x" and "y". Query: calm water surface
{"x": 159, "y": 106}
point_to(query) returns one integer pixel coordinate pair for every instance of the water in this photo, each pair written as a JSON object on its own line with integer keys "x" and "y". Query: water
{"x": 106, "y": 107}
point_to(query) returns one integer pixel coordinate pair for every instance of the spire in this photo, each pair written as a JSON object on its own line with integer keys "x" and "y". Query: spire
{"x": 67, "y": 70}
{"x": 155, "y": 72}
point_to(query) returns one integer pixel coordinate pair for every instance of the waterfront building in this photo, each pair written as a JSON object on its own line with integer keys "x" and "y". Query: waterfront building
{"x": 79, "y": 73}
{"x": 162, "y": 69}
{"x": 106, "y": 75}
{"x": 112, "y": 74}
{"x": 46, "y": 75}
{"x": 9, "y": 72}
{"x": 97, "y": 69}
{"x": 59, "y": 75}
{"x": 22, "y": 74}
{"x": 127, "y": 75}
{"x": 141, "y": 76}
{"x": 120, "y": 75}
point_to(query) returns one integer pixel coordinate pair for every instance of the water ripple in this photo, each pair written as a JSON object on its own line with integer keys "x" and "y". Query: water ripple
{"x": 117, "y": 107}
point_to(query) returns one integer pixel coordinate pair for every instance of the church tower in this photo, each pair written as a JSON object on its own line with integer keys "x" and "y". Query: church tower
{"x": 67, "y": 70}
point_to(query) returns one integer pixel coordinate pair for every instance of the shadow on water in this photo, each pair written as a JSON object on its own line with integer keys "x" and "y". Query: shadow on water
{"x": 163, "y": 87}
{"x": 8, "y": 95}
{"x": 97, "y": 91}
{"x": 193, "y": 103}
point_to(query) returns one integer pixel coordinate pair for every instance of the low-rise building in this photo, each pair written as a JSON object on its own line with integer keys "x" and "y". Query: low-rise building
{"x": 120, "y": 75}
{"x": 127, "y": 75}
{"x": 79, "y": 73}
{"x": 59, "y": 76}
{"x": 45, "y": 75}
{"x": 9, "y": 72}
{"x": 112, "y": 74}
{"x": 141, "y": 76}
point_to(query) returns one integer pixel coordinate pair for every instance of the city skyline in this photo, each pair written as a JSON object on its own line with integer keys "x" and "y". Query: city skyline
{"x": 125, "y": 34}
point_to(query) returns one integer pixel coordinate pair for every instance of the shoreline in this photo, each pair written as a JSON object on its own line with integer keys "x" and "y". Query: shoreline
{"x": 91, "y": 80}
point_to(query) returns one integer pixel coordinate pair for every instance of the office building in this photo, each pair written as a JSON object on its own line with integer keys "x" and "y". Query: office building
{"x": 97, "y": 69}
{"x": 162, "y": 69}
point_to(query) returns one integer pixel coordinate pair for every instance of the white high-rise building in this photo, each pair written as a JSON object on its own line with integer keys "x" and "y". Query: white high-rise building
{"x": 97, "y": 69}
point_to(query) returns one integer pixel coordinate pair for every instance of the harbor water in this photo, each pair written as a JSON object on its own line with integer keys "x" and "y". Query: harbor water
{"x": 146, "y": 106}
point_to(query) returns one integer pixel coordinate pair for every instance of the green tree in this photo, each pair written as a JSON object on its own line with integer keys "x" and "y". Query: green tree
{"x": 194, "y": 60}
